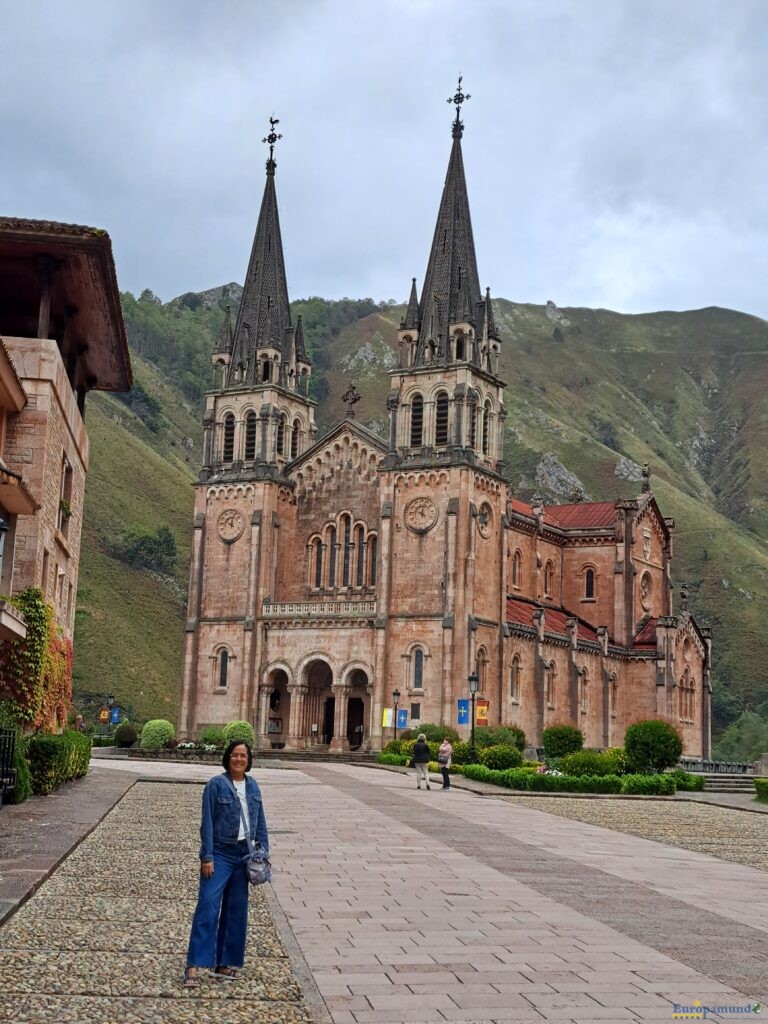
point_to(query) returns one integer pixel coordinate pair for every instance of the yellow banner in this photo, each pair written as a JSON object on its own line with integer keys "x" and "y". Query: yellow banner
{"x": 387, "y": 718}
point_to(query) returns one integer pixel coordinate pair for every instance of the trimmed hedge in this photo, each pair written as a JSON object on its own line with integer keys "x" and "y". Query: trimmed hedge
{"x": 531, "y": 781}
{"x": 652, "y": 746}
{"x": 687, "y": 782}
{"x": 594, "y": 762}
{"x": 500, "y": 757}
{"x": 761, "y": 788}
{"x": 649, "y": 785}
{"x": 239, "y": 731}
{"x": 211, "y": 735}
{"x": 57, "y": 759}
{"x": 388, "y": 758}
{"x": 125, "y": 735}
{"x": 23, "y": 787}
{"x": 156, "y": 733}
{"x": 559, "y": 740}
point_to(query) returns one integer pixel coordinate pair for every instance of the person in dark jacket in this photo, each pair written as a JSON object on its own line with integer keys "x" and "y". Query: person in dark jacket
{"x": 421, "y": 760}
{"x": 232, "y": 812}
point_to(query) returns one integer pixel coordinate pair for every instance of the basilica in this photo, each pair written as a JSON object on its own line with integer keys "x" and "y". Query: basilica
{"x": 329, "y": 575}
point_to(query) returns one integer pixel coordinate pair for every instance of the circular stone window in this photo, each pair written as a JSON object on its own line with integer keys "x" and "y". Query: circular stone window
{"x": 646, "y": 589}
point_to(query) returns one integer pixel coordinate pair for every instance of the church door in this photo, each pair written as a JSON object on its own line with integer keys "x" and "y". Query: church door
{"x": 328, "y": 715}
{"x": 355, "y": 718}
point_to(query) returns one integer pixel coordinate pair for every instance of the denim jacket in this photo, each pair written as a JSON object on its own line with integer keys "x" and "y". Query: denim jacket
{"x": 221, "y": 815}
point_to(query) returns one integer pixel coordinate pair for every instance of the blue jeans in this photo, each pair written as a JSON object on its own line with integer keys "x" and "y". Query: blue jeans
{"x": 220, "y": 923}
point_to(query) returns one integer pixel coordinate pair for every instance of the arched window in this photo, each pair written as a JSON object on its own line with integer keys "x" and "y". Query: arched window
{"x": 472, "y": 409}
{"x": 417, "y": 421}
{"x": 250, "y": 436}
{"x": 486, "y": 427}
{"x": 346, "y": 525}
{"x": 229, "y": 438}
{"x": 360, "y": 556}
{"x": 441, "y": 420}
{"x": 318, "y": 554}
{"x": 549, "y": 684}
{"x": 460, "y": 347}
{"x": 549, "y": 579}
{"x": 332, "y": 557}
{"x": 514, "y": 680}
{"x": 517, "y": 569}
{"x": 372, "y": 547}
{"x": 584, "y": 689}
{"x": 266, "y": 371}
{"x": 418, "y": 669}
{"x": 589, "y": 584}
{"x": 613, "y": 696}
{"x": 481, "y": 666}
{"x": 223, "y": 669}
{"x": 280, "y": 434}
{"x": 295, "y": 439}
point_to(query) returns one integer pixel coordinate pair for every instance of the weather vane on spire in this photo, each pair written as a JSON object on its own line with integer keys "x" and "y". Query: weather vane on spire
{"x": 458, "y": 98}
{"x": 272, "y": 139}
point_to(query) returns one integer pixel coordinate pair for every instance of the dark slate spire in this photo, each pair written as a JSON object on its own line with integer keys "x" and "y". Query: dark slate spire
{"x": 451, "y": 281}
{"x": 411, "y": 321}
{"x": 224, "y": 340}
{"x": 490, "y": 320}
{"x": 298, "y": 338}
{"x": 265, "y": 314}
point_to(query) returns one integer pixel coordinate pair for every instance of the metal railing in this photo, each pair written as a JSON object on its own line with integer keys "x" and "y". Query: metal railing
{"x": 318, "y": 609}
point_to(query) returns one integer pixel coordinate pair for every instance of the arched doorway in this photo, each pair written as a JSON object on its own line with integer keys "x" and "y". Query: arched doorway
{"x": 275, "y": 710}
{"x": 317, "y": 725}
{"x": 358, "y": 695}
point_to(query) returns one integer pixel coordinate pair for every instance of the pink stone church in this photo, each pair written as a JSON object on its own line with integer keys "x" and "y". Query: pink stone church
{"x": 327, "y": 574}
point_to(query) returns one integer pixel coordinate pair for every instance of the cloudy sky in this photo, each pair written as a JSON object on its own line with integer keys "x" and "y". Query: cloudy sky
{"x": 616, "y": 150}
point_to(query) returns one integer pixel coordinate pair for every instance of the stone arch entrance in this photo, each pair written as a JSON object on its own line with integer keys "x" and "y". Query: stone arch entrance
{"x": 274, "y": 709}
{"x": 315, "y": 726}
{"x": 358, "y": 708}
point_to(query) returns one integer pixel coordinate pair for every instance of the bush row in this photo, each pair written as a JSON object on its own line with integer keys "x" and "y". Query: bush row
{"x": 57, "y": 759}
{"x": 761, "y": 786}
{"x": 159, "y": 733}
{"x": 524, "y": 779}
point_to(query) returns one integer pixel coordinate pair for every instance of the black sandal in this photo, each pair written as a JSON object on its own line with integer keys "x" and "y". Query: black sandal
{"x": 190, "y": 980}
{"x": 226, "y": 973}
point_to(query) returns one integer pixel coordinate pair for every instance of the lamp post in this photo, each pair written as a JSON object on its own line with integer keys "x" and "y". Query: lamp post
{"x": 474, "y": 682}
{"x": 395, "y": 701}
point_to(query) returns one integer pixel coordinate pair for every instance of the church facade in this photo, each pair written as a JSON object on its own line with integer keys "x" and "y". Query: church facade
{"x": 328, "y": 574}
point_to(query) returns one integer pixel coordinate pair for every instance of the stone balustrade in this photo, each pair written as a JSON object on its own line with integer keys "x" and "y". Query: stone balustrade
{"x": 318, "y": 609}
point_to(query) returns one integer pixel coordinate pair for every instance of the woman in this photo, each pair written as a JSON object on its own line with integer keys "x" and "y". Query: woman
{"x": 444, "y": 755}
{"x": 232, "y": 811}
{"x": 421, "y": 760}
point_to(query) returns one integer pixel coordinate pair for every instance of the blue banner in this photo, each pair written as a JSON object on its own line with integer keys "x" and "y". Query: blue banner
{"x": 402, "y": 718}
{"x": 463, "y": 704}
{"x": 114, "y": 715}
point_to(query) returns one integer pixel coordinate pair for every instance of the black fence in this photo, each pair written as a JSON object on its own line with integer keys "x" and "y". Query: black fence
{"x": 7, "y": 771}
{"x": 699, "y": 764}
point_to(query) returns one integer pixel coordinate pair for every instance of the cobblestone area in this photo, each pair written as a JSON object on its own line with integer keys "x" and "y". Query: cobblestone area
{"x": 104, "y": 939}
{"x": 724, "y": 833}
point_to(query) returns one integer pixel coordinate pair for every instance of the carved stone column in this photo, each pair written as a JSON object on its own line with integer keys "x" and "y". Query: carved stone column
{"x": 263, "y": 739}
{"x": 296, "y": 737}
{"x": 340, "y": 710}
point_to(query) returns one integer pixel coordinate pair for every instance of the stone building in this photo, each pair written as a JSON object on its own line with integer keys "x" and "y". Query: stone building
{"x": 61, "y": 336}
{"x": 328, "y": 573}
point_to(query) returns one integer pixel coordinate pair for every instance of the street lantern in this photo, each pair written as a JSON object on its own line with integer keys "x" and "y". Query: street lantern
{"x": 395, "y": 701}
{"x": 474, "y": 683}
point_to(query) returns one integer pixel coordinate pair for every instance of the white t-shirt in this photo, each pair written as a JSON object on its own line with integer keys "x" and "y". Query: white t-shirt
{"x": 241, "y": 792}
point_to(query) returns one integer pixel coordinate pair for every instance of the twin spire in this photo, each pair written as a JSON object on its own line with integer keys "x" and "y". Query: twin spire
{"x": 451, "y": 292}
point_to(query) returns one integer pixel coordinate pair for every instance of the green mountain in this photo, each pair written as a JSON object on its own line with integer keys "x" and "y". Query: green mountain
{"x": 591, "y": 396}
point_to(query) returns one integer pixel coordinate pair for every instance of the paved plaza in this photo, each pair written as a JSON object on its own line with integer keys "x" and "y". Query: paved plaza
{"x": 392, "y": 905}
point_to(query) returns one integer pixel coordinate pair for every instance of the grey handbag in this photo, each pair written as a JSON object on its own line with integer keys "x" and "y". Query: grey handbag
{"x": 257, "y": 865}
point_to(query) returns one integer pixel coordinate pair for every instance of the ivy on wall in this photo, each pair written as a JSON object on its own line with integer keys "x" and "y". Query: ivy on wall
{"x": 36, "y": 672}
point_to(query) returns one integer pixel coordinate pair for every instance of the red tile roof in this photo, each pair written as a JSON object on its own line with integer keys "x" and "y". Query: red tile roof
{"x": 585, "y": 515}
{"x": 521, "y": 507}
{"x": 520, "y": 613}
{"x": 646, "y": 638}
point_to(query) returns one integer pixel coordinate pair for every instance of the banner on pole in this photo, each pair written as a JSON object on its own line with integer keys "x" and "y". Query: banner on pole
{"x": 481, "y": 712}
{"x": 104, "y": 715}
{"x": 402, "y": 718}
{"x": 463, "y": 704}
{"x": 387, "y": 718}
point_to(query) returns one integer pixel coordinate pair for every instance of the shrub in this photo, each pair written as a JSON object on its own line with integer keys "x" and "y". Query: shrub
{"x": 503, "y": 735}
{"x": 686, "y": 781}
{"x": 143, "y": 549}
{"x": 501, "y": 757}
{"x": 406, "y": 747}
{"x": 398, "y": 759}
{"x": 648, "y": 785}
{"x": 593, "y": 762}
{"x": 211, "y": 736}
{"x": 22, "y": 790}
{"x": 761, "y": 788}
{"x": 460, "y": 753}
{"x": 436, "y": 733}
{"x": 240, "y": 731}
{"x": 652, "y": 746}
{"x": 125, "y": 735}
{"x": 156, "y": 733}
{"x": 393, "y": 747}
{"x": 56, "y": 759}
{"x": 478, "y": 772}
{"x": 559, "y": 740}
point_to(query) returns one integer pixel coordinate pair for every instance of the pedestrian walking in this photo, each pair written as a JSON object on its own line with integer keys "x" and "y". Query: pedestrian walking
{"x": 421, "y": 760}
{"x": 232, "y": 812}
{"x": 444, "y": 760}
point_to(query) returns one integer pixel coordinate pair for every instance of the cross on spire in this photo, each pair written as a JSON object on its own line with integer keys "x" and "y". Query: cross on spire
{"x": 458, "y": 98}
{"x": 272, "y": 138}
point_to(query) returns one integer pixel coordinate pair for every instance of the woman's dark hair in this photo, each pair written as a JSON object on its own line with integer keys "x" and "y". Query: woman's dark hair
{"x": 228, "y": 754}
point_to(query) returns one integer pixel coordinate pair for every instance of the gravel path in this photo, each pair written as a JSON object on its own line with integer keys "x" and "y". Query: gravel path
{"x": 105, "y": 938}
{"x": 731, "y": 835}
